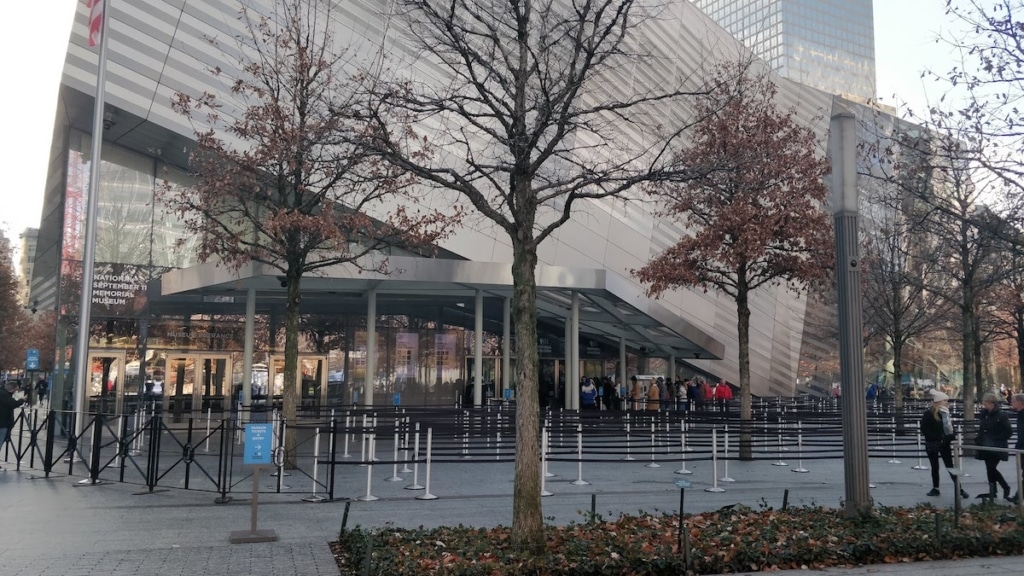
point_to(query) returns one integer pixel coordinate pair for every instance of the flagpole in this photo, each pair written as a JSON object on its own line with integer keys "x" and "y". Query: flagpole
{"x": 82, "y": 369}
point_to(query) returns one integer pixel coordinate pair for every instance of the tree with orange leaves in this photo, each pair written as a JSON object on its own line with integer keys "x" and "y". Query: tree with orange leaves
{"x": 756, "y": 214}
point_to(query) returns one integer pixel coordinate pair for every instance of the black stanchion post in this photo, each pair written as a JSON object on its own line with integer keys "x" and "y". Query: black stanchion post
{"x": 223, "y": 483}
{"x": 334, "y": 459}
{"x": 344, "y": 519}
{"x": 153, "y": 458}
{"x": 33, "y": 439}
{"x": 231, "y": 454}
{"x": 21, "y": 438}
{"x": 282, "y": 455}
{"x": 72, "y": 443}
{"x": 122, "y": 447}
{"x": 97, "y": 442}
{"x": 51, "y": 429}
{"x": 682, "y": 501}
{"x": 188, "y": 452}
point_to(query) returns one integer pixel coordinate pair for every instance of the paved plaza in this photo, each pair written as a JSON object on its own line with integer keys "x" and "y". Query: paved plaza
{"x": 58, "y": 526}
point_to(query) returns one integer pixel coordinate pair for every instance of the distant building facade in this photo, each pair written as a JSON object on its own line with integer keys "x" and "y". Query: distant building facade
{"x": 827, "y": 44}
{"x": 29, "y": 238}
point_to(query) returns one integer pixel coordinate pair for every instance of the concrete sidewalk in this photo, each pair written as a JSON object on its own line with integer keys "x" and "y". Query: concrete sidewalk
{"x": 57, "y": 526}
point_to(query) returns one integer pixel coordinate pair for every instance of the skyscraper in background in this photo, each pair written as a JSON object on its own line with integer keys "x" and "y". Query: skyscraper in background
{"x": 826, "y": 44}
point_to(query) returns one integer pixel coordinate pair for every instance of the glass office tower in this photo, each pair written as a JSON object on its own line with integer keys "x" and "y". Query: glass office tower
{"x": 826, "y": 44}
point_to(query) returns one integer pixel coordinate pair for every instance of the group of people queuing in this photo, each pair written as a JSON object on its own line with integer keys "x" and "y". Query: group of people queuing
{"x": 994, "y": 431}
{"x": 659, "y": 394}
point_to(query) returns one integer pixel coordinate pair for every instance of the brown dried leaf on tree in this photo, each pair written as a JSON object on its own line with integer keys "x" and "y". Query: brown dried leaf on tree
{"x": 281, "y": 173}
{"x": 753, "y": 205}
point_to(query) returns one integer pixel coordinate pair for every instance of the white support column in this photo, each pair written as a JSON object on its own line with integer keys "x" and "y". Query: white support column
{"x": 567, "y": 371}
{"x": 478, "y": 350}
{"x": 506, "y": 346}
{"x": 250, "y": 330}
{"x": 575, "y": 367}
{"x": 371, "y": 347}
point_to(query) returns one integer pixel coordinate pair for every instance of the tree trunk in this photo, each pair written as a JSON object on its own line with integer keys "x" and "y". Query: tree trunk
{"x": 897, "y": 374}
{"x": 979, "y": 365}
{"x": 746, "y": 451}
{"x": 966, "y": 356}
{"x": 290, "y": 398}
{"x": 527, "y": 518}
{"x": 1019, "y": 318}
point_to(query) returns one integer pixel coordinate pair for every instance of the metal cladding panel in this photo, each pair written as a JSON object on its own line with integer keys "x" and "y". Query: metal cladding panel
{"x": 160, "y": 47}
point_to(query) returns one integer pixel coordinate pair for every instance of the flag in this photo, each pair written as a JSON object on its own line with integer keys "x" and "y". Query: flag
{"x": 95, "y": 21}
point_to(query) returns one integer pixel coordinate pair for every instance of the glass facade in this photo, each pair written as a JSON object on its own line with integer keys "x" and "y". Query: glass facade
{"x": 186, "y": 362}
{"x": 827, "y": 44}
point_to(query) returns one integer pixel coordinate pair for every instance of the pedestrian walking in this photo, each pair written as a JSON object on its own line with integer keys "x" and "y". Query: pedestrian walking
{"x": 692, "y": 394}
{"x": 636, "y": 393}
{"x": 42, "y": 389}
{"x": 7, "y": 405}
{"x": 664, "y": 394}
{"x": 653, "y": 397}
{"x": 1017, "y": 405}
{"x": 994, "y": 431}
{"x": 937, "y": 430}
{"x": 588, "y": 394}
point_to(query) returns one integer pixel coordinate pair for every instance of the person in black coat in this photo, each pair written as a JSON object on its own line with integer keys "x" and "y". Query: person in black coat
{"x": 994, "y": 431}
{"x": 1017, "y": 405}
{"x": 937, "y": 431}
{"x": 7, "y": 406}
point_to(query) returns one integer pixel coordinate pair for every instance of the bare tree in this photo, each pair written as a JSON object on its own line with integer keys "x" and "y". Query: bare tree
{"x": 287, "y": 182}
{"x": 533, "y": 108}
{"x": 898, "y": 267}
{"x": 950, "y": 192}
{"x": 756, "y": 214}
{"x": 1008, "y": 302}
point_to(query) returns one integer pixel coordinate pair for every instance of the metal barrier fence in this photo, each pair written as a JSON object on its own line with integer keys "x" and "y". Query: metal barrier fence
{"x": 313, "y": 456}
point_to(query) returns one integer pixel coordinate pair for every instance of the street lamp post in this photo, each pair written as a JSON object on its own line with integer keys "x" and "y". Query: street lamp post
{"x": 843, "y": 149}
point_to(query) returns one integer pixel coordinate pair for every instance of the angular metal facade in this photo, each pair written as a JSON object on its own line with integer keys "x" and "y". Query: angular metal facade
{"x": 159, "y": 47}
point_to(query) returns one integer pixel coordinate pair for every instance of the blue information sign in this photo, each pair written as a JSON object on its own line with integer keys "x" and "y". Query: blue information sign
{"x": 397, "y": 400}
{"x": 258, "y": 446}
{"x": 508, "y": 393}
{"x": 32, "y": 359}
{"x": 682, "y": 484}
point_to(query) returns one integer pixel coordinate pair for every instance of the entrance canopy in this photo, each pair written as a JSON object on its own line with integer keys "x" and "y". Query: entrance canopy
{"x": 610, "y": 307}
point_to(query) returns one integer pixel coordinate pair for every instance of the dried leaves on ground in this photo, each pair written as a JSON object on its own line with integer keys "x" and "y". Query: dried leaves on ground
{"x": 724, "y": 541}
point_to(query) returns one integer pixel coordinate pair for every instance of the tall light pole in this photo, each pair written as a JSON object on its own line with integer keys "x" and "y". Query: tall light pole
{"x": 843, "y": 150}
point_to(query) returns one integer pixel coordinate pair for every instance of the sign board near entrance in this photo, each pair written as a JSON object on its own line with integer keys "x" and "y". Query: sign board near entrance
{"x": 32, "y": 359}
{"x": 258, "y": 447}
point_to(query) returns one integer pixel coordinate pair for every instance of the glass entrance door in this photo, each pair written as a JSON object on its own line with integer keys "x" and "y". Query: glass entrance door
{"x": 106, "y": 381}
{"x": 191, "y": 384}
{"x": 311, "y": 381}
{"x": 491, "y": 374}
{"x": 214, "y": 393}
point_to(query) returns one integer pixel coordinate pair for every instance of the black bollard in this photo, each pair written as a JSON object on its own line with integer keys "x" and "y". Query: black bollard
{"x": 344, "y": 519}
{"x": 785, "y": 499}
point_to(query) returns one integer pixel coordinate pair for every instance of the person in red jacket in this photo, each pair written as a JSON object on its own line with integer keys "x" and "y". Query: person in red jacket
{"x": 723, "y": 395}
